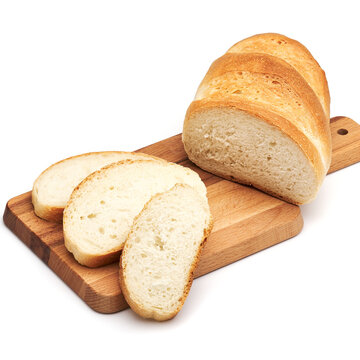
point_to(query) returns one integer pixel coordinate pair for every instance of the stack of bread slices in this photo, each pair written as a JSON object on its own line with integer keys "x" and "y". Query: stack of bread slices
{"x": 155, "y": 212}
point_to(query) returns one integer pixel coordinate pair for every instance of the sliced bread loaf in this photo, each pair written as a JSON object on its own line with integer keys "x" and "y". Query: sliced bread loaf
{"x": 101, "y": 210}
{"x": 261, "y": 117}
{"x": 52, "y": 189}
{"x": 162, "y": 251}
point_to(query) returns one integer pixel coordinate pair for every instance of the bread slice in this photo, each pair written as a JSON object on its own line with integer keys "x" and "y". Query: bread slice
{"x": 101, "y": 210}
{"x": 162, "y": 251}
{"x": 52, "y": 189}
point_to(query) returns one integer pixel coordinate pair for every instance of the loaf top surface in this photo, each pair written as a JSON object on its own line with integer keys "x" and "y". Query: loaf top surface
{"x": 295, "y": 54}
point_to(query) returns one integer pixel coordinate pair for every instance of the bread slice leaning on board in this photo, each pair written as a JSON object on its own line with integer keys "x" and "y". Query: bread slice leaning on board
{"x": 261, "y": 117}
{"x": 162, "y": 251}
{"x": 52, "y": 189}
{"x": 102, "y": 208}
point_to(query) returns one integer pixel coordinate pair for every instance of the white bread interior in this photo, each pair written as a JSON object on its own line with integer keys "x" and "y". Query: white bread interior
{"x": 162, "y": 250}
{"x": 52, "y": 189}
{"x": 100, "y": 212}
{"x": 250, "y": 151}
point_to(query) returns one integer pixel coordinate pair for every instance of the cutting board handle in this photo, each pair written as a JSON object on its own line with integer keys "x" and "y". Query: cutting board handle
{"x": 345, "y": 134}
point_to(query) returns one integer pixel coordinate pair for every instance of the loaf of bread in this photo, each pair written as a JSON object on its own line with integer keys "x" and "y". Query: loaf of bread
{"x": 52, "y": 189}
{"x": 162, "y": 251}
{"x": 261, "y": 117}
{"x": 102, "y": 208}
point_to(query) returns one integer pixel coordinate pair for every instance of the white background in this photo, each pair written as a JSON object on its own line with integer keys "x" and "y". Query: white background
{"x": 79, "y": 76}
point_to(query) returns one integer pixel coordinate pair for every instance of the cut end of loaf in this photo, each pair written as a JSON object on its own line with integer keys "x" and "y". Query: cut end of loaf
{"x": 162, "y": 250}
{"x": 242, "y": 147}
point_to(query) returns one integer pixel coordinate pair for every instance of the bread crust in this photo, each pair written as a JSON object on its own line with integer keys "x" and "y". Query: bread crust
{"x": 55, "y": 213}
{"x": 270, "y": 65}
{"x": 91, "y": 260}
{"x": 48, "y": 213}
{"x": 140, "y": 310}
{"x": 294, "y": 53}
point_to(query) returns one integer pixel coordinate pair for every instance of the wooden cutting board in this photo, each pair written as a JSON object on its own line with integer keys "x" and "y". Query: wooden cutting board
{"x": 246, "y": 221}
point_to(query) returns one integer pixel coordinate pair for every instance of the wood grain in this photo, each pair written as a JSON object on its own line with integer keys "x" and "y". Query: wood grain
{"x": 246, "y": 221}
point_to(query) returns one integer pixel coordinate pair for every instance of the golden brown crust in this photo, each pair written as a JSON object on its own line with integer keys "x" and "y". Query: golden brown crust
{"x": 295, "y": 54}
{"x": 49, "y": 213}
{"x": 55, "y": 213}
{"x": 137, "y": 308}
{"x": 269, "y": 65}
{"x": 91, "y": 260}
